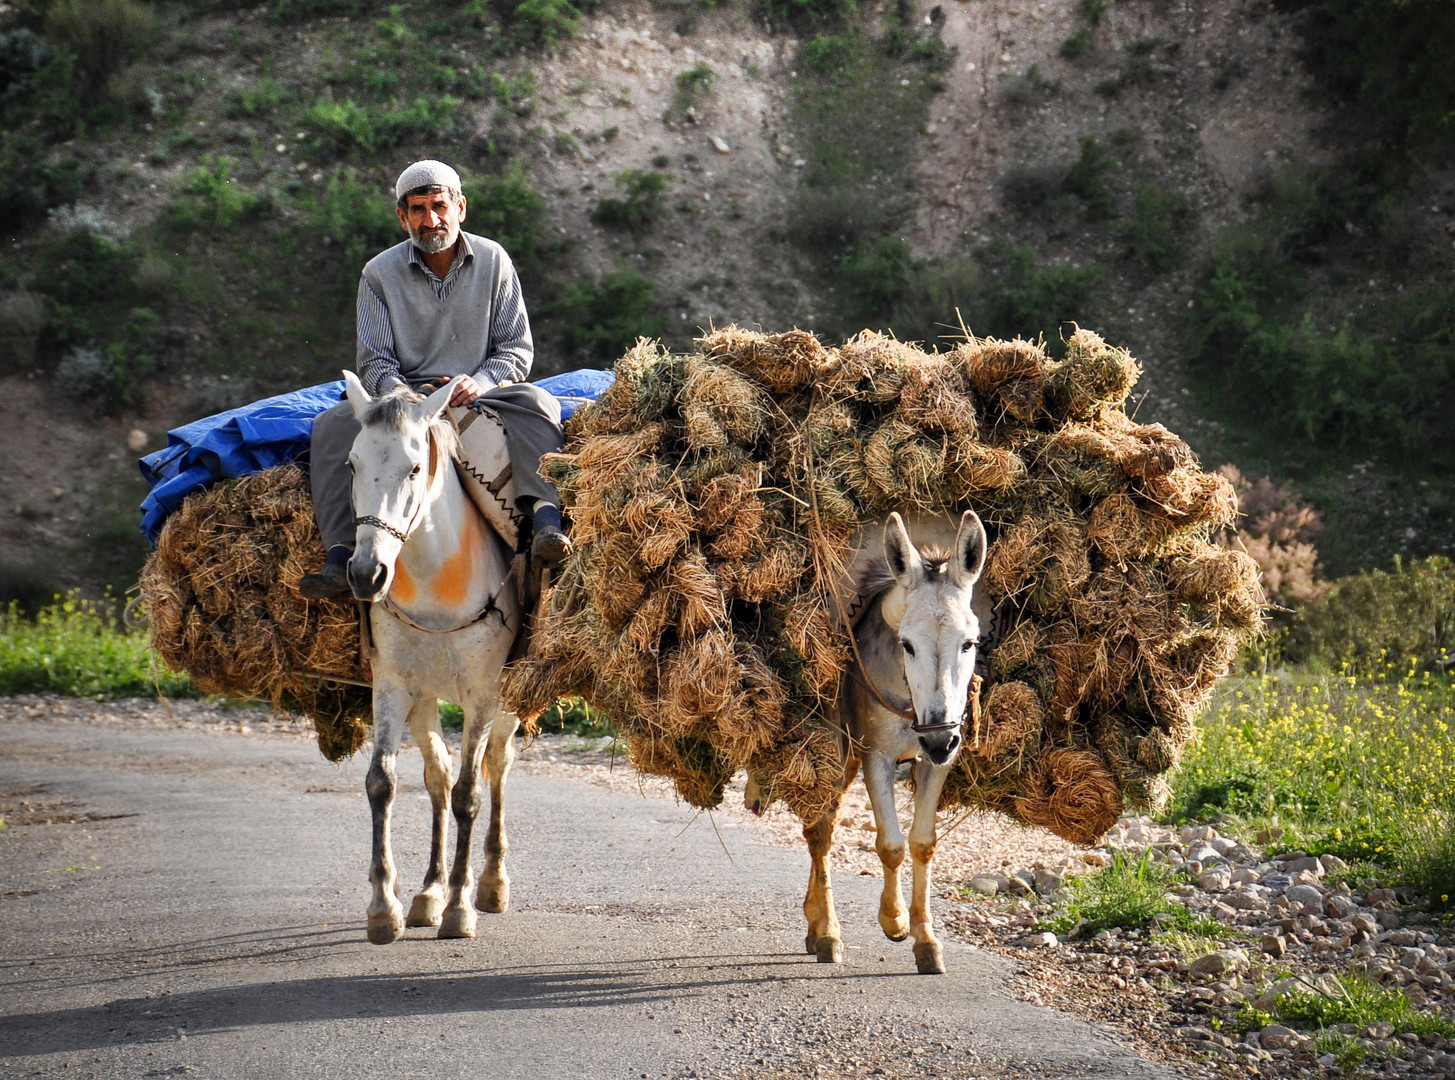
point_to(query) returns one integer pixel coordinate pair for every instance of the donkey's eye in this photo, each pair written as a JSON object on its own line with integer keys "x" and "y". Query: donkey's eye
{"x": 969, "y": 646}
{"x": 414, "y": 471}
{"x": 907, "y": 647}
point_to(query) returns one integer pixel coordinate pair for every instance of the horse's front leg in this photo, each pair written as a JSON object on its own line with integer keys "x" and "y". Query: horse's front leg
{"x": 424, "y": 722}
{"x": 386, "y": 915}
{"x": 824, "y": 937}
{"x": 879, "y": 780}
{"x": 494, "y": 891}
{"x": 929, "y": 780}
{"x": 458, "y": 919}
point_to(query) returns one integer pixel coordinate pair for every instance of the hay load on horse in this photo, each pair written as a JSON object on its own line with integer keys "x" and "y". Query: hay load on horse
{"x": 724, "y": 504}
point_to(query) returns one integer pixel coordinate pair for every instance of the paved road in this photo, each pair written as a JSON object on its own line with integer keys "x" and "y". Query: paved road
{"x": 194, "y": 907}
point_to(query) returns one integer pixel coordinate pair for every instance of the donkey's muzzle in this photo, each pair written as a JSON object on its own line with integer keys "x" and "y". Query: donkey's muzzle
{"x": 940, "y": 746}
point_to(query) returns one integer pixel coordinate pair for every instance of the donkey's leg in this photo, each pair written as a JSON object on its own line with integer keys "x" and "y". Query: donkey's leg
{"x": 494, "y": 891}
{"x": 929, "y": 780}
{"x": 824, "y": 940}
{"x": 424, "y": 722}
{"x": 879, "y": 780}
{"x": 458, "y": 919}
{"x": 386, "y": 915}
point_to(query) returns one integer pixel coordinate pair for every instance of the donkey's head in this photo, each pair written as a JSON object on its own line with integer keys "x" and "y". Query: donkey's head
{"x": 938, "y": 632}
{"x": 398, "y": 462}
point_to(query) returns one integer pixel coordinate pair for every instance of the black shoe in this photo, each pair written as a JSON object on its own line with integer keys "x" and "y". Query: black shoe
{"x": 330, "y": 583}
{"x": 549, "y": 546}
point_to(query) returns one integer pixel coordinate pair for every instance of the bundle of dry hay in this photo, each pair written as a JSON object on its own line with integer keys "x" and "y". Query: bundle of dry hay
{"x": 716, "y": 496}
{"x": 221, "y": 593}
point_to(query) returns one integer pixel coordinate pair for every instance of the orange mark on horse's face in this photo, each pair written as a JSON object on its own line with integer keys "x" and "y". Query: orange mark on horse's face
{"x": 452, "y": 580}
{"x": 403, "y": 589}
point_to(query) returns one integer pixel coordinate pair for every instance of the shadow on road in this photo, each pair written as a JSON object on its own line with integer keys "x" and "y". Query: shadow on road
{"x": 130, "y": 1021}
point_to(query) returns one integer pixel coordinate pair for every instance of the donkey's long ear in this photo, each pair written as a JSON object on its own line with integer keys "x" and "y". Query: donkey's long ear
{"x": 901, "y": 554}
{"x": 358, "y": 397}
{"x": 436, "y": 402}
{"x": 970, "y": 546}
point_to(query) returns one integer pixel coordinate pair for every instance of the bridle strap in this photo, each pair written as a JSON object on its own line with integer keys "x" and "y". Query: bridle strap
{"x": 380, "y": 523}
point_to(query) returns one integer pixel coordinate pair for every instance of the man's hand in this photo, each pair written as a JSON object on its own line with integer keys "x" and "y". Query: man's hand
{"x": 467, "y": 391}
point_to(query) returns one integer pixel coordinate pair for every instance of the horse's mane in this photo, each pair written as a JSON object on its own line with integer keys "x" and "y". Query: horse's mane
{"x": 391, "y": 410}
{"x": 877, "y": 577}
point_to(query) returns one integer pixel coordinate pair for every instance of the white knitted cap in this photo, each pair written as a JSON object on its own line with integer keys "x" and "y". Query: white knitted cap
{"x": 426, "y": 173}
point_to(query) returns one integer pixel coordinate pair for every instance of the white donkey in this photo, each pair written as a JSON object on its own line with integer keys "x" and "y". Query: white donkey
{"x": 443, "y": 618}
{"x": 917, "y": 640}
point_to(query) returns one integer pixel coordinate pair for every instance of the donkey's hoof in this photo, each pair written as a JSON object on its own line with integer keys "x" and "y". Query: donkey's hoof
{"x": 493, "y": 898}
{"x": 458, "y": 922}
{"x": 894, "y": 929}
{"x": 385, "y": 928}
{"x": 829, "y": 951}
{"x": 929, "y": 958}
{"x": 425, "y": 910}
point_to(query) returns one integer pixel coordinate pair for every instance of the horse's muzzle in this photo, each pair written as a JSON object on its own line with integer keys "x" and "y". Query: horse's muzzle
{"x": 367, "y": 580}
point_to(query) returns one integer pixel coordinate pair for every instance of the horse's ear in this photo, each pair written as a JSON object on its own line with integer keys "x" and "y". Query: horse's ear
{"x": 437, "y": 402}
{"x": 901, "y": 554}
{"x": 970, "y": 547}
{"x": 358, "y": 397}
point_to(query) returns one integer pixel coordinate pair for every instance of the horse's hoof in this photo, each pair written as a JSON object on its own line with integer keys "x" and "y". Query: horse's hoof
{"x": 457, "y": 923}
{"x": 929, "y": 958}
{"x": 425, "y": 910}
{"x": 386, "y": 928}
{"x": 829, "y": 951}
{"x": 493, "y": 898}
{"x": 895, "y": 929}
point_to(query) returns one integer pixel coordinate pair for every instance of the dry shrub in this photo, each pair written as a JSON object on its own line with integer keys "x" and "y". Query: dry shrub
{"x": 1277, "y": 529}
{"x": 1224, "y": 583}
{"x": 1094, "y": 378}
{"x": 222, "y": 590}
{"x": 1011, "y": 723}
{"x": 1074, "y": 795}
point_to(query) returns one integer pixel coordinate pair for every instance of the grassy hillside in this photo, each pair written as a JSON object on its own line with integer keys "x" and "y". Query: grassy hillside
{"x": 189, "y": 190}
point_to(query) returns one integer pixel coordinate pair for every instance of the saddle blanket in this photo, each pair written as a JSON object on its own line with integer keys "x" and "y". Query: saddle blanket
{"x": 274, "y": 431}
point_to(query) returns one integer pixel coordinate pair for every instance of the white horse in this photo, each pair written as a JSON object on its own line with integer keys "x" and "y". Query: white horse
{"x": 443, "y": 617}
{"x": 917, "y": 640}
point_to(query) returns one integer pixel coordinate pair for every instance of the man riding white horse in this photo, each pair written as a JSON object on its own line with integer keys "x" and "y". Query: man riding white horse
{"x": 443, "y": 303}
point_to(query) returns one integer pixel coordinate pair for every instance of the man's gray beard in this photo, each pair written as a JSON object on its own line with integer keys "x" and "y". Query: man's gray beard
{"x": 435, "y": 243}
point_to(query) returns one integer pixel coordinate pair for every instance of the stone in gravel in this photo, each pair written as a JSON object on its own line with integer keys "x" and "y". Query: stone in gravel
{"x": 1278, "y": 1037}
{"x": 1276, "y": 881}
{"x": 1096, "y": 858}
{"x": 1298, "y": 866}
{"x": 1339, "y": 907}
{"x": 1306, "y": 895}
{"x": 1202, "y": 853}
{"x": 1398, "y": 938}
{"x": 1365, "y": 923}
{"x": 987, "y": 884}
{"x": 1045, "y": 940}
{"x": 1381, "y": 896}
{"x": 1215, "y": 881}
{"x": 1244, "y": 876}
{"x": 1275, "y": 945}
{"x": 1380, "y": 1029}
{"x": 1328, "y": 1061}
{"x": 1390, "y": 920}
{"x": 1245, "y": 900}
{"x": 1220, "y": 962}
{"x": 1221, "y": 844}
{"x": 1048, "y": 881}
{"x": 1411, "y": 957}
{"x": 1333, "y": 864}
{"x": 1019, "y": 883}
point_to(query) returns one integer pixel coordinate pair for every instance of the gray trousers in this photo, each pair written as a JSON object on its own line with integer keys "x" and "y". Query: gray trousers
{"x": 532, "y": 419}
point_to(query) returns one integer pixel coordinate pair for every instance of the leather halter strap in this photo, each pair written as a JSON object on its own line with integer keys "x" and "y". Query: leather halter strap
{"x": 380, "y": 523}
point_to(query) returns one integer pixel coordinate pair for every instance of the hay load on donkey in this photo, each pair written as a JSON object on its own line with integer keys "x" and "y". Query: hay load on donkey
{"x": 721, "y": 503}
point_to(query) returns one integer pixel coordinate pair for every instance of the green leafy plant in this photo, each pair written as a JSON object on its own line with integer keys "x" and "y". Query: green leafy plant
{"x": 1401, "y": 616}
{"x": 1151, "y": 232}
{"x": 102, "y": 35}
{"x": 212, "y": 198}
{"x": 257, "y": 99}
{"x": 692, "y": 85}
{"x": 541, "y": 24}
{"x": 1362, "y": 1002}
{"x": 601, "y": 319}
{"x": 1086, "y": 178}
{"x": 642, "y": 206}
{"x": 1128, "y": 894}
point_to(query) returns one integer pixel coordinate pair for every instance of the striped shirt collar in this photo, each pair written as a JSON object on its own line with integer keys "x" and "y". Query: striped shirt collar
{"x": 463, "y": 253}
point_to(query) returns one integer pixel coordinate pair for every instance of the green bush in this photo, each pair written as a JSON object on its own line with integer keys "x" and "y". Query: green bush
{"x": 1017, "y": 297}
{"x": 1361, "y": 1002}
{"x": 1426, "y": 858}
{"x": 1128, "y": 894}
{"x": 1401, "y": 616}
{"x": 805, "y": 15}
{"x": 75, "y": 647}
{"x": 1087, "y": 176}
{"x": 31, "y": 183}
{"x": 1152, "y": 231}
{"x": 874, "y": 277}
{"x": 212, "y": 199}
{"x": 541, "y": 24}
{"x": 257, "y": 99}
{"x": 341, "y": 128}
{"x": 101, "y": 34}
{"x": 643, "y": 205}
{"x": 1389, "y": 58}
{"x": 602, "y": 319}
{"x": 509, "y": 211}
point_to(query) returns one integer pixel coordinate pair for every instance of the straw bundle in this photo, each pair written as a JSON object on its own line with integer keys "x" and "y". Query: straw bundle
{"x": 718, "y": 497}
{"x": 222, "y": 597}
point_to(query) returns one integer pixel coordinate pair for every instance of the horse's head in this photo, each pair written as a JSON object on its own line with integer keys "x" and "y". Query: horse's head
{"x": 397, "y": 460}
{"x": 929, "y": 608}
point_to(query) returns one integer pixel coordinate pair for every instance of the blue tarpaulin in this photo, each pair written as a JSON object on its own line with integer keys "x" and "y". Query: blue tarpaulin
{"x": 276, "y": 430}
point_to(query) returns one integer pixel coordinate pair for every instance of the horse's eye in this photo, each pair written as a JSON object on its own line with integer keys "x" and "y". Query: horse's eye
{"x": 907, "y": 647}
